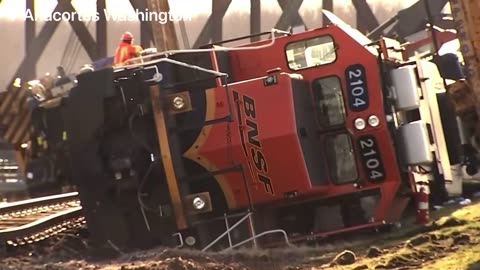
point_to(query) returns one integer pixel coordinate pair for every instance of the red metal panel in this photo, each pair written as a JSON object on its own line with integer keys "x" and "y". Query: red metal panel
{"x": 254, "y": 63}
{"x": 259, "y": 156}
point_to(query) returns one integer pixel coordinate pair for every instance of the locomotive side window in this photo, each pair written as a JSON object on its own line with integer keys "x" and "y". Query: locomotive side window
{"x": 341, "y": 158}
{"x": 311, "y": 52}
{"x": 329, "y": 101}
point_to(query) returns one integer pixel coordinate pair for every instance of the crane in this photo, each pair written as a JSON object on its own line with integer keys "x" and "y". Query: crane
{"x": 465, "y": 92}
{"x": 466, "y": 15}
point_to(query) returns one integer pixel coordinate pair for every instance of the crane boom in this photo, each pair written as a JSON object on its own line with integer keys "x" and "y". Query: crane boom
{"x": 467, "y": 16}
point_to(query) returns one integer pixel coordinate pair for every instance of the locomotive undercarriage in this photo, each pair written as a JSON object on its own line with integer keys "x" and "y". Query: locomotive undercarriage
{"x": 47, "y": 166}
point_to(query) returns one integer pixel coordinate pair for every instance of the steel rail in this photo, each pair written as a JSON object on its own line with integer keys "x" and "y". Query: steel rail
{"x": 38, "y": 202}
{"x": 43, "y": 227}
{"x": 34, "y": 220}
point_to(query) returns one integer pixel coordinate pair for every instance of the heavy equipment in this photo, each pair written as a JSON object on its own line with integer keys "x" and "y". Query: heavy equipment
{"x": 465, "y": 91}
{"x": 47, "y": 170}
{"x": 462, "y": 80}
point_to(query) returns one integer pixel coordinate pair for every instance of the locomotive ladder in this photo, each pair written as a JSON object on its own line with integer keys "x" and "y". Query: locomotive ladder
{"x": 253, "y": 238}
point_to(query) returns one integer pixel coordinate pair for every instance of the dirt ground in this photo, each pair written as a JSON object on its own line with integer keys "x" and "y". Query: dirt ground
{"x": 450, "y": 241}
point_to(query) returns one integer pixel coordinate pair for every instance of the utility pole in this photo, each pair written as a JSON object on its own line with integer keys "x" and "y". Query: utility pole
{"x": 164, "y": 34}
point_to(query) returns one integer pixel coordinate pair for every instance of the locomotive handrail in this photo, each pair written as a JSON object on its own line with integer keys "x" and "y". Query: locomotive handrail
{"x": 170, "y": 52}
{"x": 227, "y": 232}
{"x": 253, "y": 238}
{"x": 244, "y": 37}
{"x": 158, "y": 77}
{"x": 283, "y": 232}
{"x": 216, "y": 73}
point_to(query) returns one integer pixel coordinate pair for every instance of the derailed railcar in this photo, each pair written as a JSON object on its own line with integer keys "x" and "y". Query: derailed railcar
{"x": 298, "y": 136}
{"x": 47, "y": 160}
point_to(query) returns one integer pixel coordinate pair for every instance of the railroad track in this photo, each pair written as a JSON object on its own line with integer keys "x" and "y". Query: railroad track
{"x": 30, "y": 221}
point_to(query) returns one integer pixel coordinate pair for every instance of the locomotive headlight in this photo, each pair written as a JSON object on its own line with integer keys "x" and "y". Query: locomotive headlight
{"x": 360, "y": 123}
{"x": 373, "y": 121}
{"x": 198, "y": 203}
{"x": 178, "y": 103}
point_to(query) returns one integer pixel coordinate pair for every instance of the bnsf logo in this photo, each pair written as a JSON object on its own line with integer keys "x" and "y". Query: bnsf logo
{"x": 252, "y": 147}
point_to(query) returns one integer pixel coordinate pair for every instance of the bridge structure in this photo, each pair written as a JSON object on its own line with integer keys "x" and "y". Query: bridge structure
{"x": 14, "y": 114}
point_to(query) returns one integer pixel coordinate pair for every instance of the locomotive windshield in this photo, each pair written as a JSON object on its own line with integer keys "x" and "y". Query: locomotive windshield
{"x": 311, "y": 52}
{"x": 341, "y": 158}
{"x": 329, "y": 102}
{"x": 331, "y": 115}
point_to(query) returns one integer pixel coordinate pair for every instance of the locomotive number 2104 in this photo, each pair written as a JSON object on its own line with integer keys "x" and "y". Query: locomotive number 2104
{"x": 371, "y": 158}
{"x": 357, "y": 87}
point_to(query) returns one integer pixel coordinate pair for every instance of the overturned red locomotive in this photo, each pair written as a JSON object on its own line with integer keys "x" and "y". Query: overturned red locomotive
{"x": 292, "y": 137}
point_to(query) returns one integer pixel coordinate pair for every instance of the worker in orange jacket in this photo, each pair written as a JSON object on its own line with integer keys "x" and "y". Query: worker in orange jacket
{"x": 126, "y": 50}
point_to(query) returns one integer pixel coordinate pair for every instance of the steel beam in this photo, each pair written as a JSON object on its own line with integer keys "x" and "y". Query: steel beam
{"x": 327, "y": 5}
{"x": 36, "y": 48}
{"x": 255, "y": 18}
{"x": 146, "y": 31}
{"x": 206, "y": 33}
{"x": 34, "y": 51}
{"x": 160, "y": 118}
{"x": 164, "y": 34}
{"x": 409, "y": 20}
{"x": 217, "y": 16}
{"x": 81, "y": 31}
{"x": 30, "y": 70}
{"x": 366, "y": 20}
{"x": 290, "y": 16}
{"x": 101, "y": 35}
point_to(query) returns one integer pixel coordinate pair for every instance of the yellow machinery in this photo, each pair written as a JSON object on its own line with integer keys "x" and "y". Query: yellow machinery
{"x": 465, "y": 95}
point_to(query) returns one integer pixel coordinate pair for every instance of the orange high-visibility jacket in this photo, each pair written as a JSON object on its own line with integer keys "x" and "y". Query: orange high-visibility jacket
{"x": 124, "y": 52}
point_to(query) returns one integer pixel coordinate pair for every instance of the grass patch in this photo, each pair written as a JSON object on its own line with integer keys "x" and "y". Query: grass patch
{"x": 464, "y": 259}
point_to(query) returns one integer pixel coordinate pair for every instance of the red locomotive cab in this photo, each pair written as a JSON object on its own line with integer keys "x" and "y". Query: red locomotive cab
{"x": 357, "y": 155}
{"x": 308, "y": 150}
